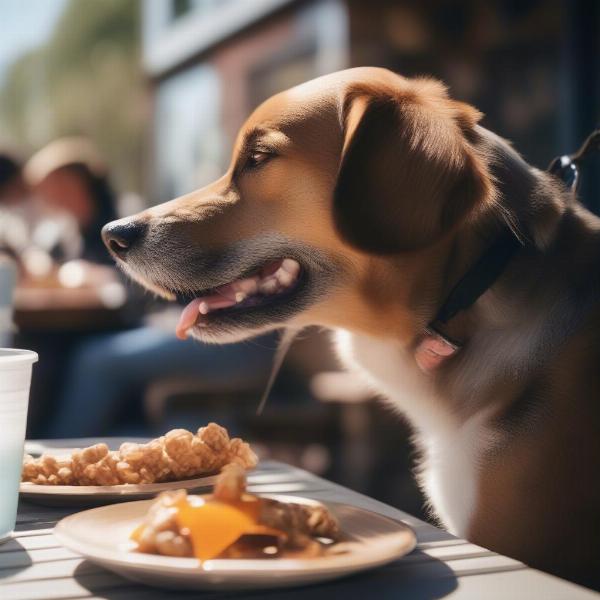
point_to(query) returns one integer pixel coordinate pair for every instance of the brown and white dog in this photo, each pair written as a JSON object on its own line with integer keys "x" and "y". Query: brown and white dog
{"x": 356, "y": 202}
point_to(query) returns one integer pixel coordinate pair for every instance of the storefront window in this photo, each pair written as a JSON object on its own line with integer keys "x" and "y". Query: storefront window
{"x": 188, "y": 145}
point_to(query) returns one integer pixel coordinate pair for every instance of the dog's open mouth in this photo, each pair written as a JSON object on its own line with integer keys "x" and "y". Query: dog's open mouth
{"x": 273, "y": 283}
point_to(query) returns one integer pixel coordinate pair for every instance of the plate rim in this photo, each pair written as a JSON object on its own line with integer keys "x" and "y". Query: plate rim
{"x": 121, "y": 489}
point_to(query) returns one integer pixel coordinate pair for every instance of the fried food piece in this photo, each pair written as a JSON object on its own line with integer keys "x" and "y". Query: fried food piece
{"x": 179, "y": 454}
{"x": 178, "y": 525}
{"x": 298, "y": 520}
{"x": 293, "y": 519}
{"x": 144, "y": 463}
{"x": 206, "y": 451}
{"x": 231, "y": 484}
{"x": 96, "y": 465}
{"x": 160, "y": 532}
{"x": 240, "y": 452}
{"x": 47, "y": 470}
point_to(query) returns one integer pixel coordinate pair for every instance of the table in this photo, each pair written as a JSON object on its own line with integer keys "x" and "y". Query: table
{"x": 85, "y": 309}
{"x": 35, "y": 566}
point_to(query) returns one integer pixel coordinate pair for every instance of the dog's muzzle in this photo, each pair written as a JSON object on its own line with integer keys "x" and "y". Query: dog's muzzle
{"x": 123, "y": 235}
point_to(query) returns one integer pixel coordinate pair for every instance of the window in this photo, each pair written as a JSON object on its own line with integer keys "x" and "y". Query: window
{"x": 180, "y": 8}
{"x": 189, "y": 146}
{"x": 177, "y": 30}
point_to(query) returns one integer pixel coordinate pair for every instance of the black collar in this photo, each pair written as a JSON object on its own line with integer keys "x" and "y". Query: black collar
{"x": 434, "y": 346}
{"x": 490, "y": 265}
{"x": 514, "y": 178}
{"x": 480, "y": 277}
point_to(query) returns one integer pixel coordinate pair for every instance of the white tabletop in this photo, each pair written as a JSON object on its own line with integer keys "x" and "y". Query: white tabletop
{"x": 35, "y": 566}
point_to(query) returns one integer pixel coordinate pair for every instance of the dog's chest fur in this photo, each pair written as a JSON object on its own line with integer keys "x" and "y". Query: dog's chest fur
{"x": 450, "y": 450}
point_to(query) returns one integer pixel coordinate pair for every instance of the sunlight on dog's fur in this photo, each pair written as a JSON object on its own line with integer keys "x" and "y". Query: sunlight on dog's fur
{"x": 356, "y": 201}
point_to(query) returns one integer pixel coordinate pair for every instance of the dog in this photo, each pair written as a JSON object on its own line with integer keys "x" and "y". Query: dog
{"x": 357, "y": 202}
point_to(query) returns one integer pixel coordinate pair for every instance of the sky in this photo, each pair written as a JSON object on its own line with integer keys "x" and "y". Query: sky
{"x": 25, "y": 24}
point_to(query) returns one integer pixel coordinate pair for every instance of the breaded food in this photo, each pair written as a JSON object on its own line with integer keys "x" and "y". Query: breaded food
{"x": 177, "y": 455}
{"x": 233, "y": 524}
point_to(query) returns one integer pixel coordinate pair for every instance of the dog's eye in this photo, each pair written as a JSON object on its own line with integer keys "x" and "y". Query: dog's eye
{"x": 256, "y": 158}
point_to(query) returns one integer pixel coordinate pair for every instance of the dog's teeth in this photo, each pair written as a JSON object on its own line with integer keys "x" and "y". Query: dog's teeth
{"x": 238, "y": 291}
{"x": 246, "y": 286}
{"x": 291, "y": 266}
{"x": 269, "y": 285}
{"x": 284, "y": 277}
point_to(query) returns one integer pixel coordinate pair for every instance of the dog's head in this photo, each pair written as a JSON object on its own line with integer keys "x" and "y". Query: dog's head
{"x": 329, "y": 184}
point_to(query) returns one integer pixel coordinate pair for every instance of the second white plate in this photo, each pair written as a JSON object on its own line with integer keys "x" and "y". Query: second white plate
{"x": 86, "y": 495}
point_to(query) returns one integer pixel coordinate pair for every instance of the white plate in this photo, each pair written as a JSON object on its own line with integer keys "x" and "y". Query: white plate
{"x": 86, "y": 495}
{"x": 378, "y": 540}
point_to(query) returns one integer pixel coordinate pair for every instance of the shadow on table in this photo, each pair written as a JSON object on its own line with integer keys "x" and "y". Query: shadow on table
{"x": 424, "y": 578}
{"x": 13, "y": 558}
{"x": 41, "y": 515}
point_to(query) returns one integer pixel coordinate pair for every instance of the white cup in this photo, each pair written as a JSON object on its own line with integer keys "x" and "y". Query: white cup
{"x": 15, "y": 381}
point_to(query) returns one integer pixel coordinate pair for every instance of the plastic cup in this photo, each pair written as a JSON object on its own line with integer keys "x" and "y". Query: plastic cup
{"x": 15, "y": 381}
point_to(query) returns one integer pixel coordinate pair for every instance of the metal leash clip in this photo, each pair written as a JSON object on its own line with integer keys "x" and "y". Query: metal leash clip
{"x": 566, "y": 167}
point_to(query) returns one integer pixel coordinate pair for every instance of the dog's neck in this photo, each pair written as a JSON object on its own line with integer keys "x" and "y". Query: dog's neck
{"x": 518, "y": 324}
{"x": 517, "y": 217}
{"x": 533, "y": 205}
{"x": 528, "y": 200}
{"x": 515, "y": 327}
{"x": 400, "y": 295}
{"x": 526, "y": 203}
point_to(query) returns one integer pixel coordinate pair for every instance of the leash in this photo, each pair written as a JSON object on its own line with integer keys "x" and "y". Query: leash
{"x": 434, "y": 346}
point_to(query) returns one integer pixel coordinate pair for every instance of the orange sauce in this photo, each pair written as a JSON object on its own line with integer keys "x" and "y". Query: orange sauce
{"x": 213, "y": 526}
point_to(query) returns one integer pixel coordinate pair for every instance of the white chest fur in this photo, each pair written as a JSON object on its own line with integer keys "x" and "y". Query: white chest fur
{"x": 448, "y": 472}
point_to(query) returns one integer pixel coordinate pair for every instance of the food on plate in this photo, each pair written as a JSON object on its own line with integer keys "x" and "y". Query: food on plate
{"x": 232, "y": 523}
{"x": 175, "y": 456}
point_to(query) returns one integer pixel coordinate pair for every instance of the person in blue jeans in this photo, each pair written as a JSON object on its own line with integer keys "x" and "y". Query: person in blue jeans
{"x": 109, "y": 368}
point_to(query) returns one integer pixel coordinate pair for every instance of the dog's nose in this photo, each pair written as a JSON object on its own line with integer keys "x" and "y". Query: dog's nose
{"x": 121, "y": 236}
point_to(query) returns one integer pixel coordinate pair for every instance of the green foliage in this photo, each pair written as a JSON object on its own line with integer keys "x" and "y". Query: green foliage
{"x": 87, "y": 80}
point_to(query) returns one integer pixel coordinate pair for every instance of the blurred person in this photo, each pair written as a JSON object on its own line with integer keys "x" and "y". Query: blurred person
{"x": 109, "y": 374}
{"x": 65, "y": 267}
{"x": 13, "y": 189}
{"x": 22, "y": 219}
{"x": 68, "y": 176}
{"x": 13, "y": 195}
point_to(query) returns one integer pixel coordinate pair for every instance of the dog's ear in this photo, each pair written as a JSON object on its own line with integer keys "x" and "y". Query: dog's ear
{"x": 408, "y": 173}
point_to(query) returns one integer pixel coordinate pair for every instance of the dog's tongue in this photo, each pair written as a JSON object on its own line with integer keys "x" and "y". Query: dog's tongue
{"x": 201, "y": 306}
{"x": 188, "y": 318}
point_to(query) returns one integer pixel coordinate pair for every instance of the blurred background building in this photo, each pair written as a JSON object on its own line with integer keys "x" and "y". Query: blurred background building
{"x": 162, "y": 86}
{"x": 194, "y": 69}
{"x": 531, "y": 66}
